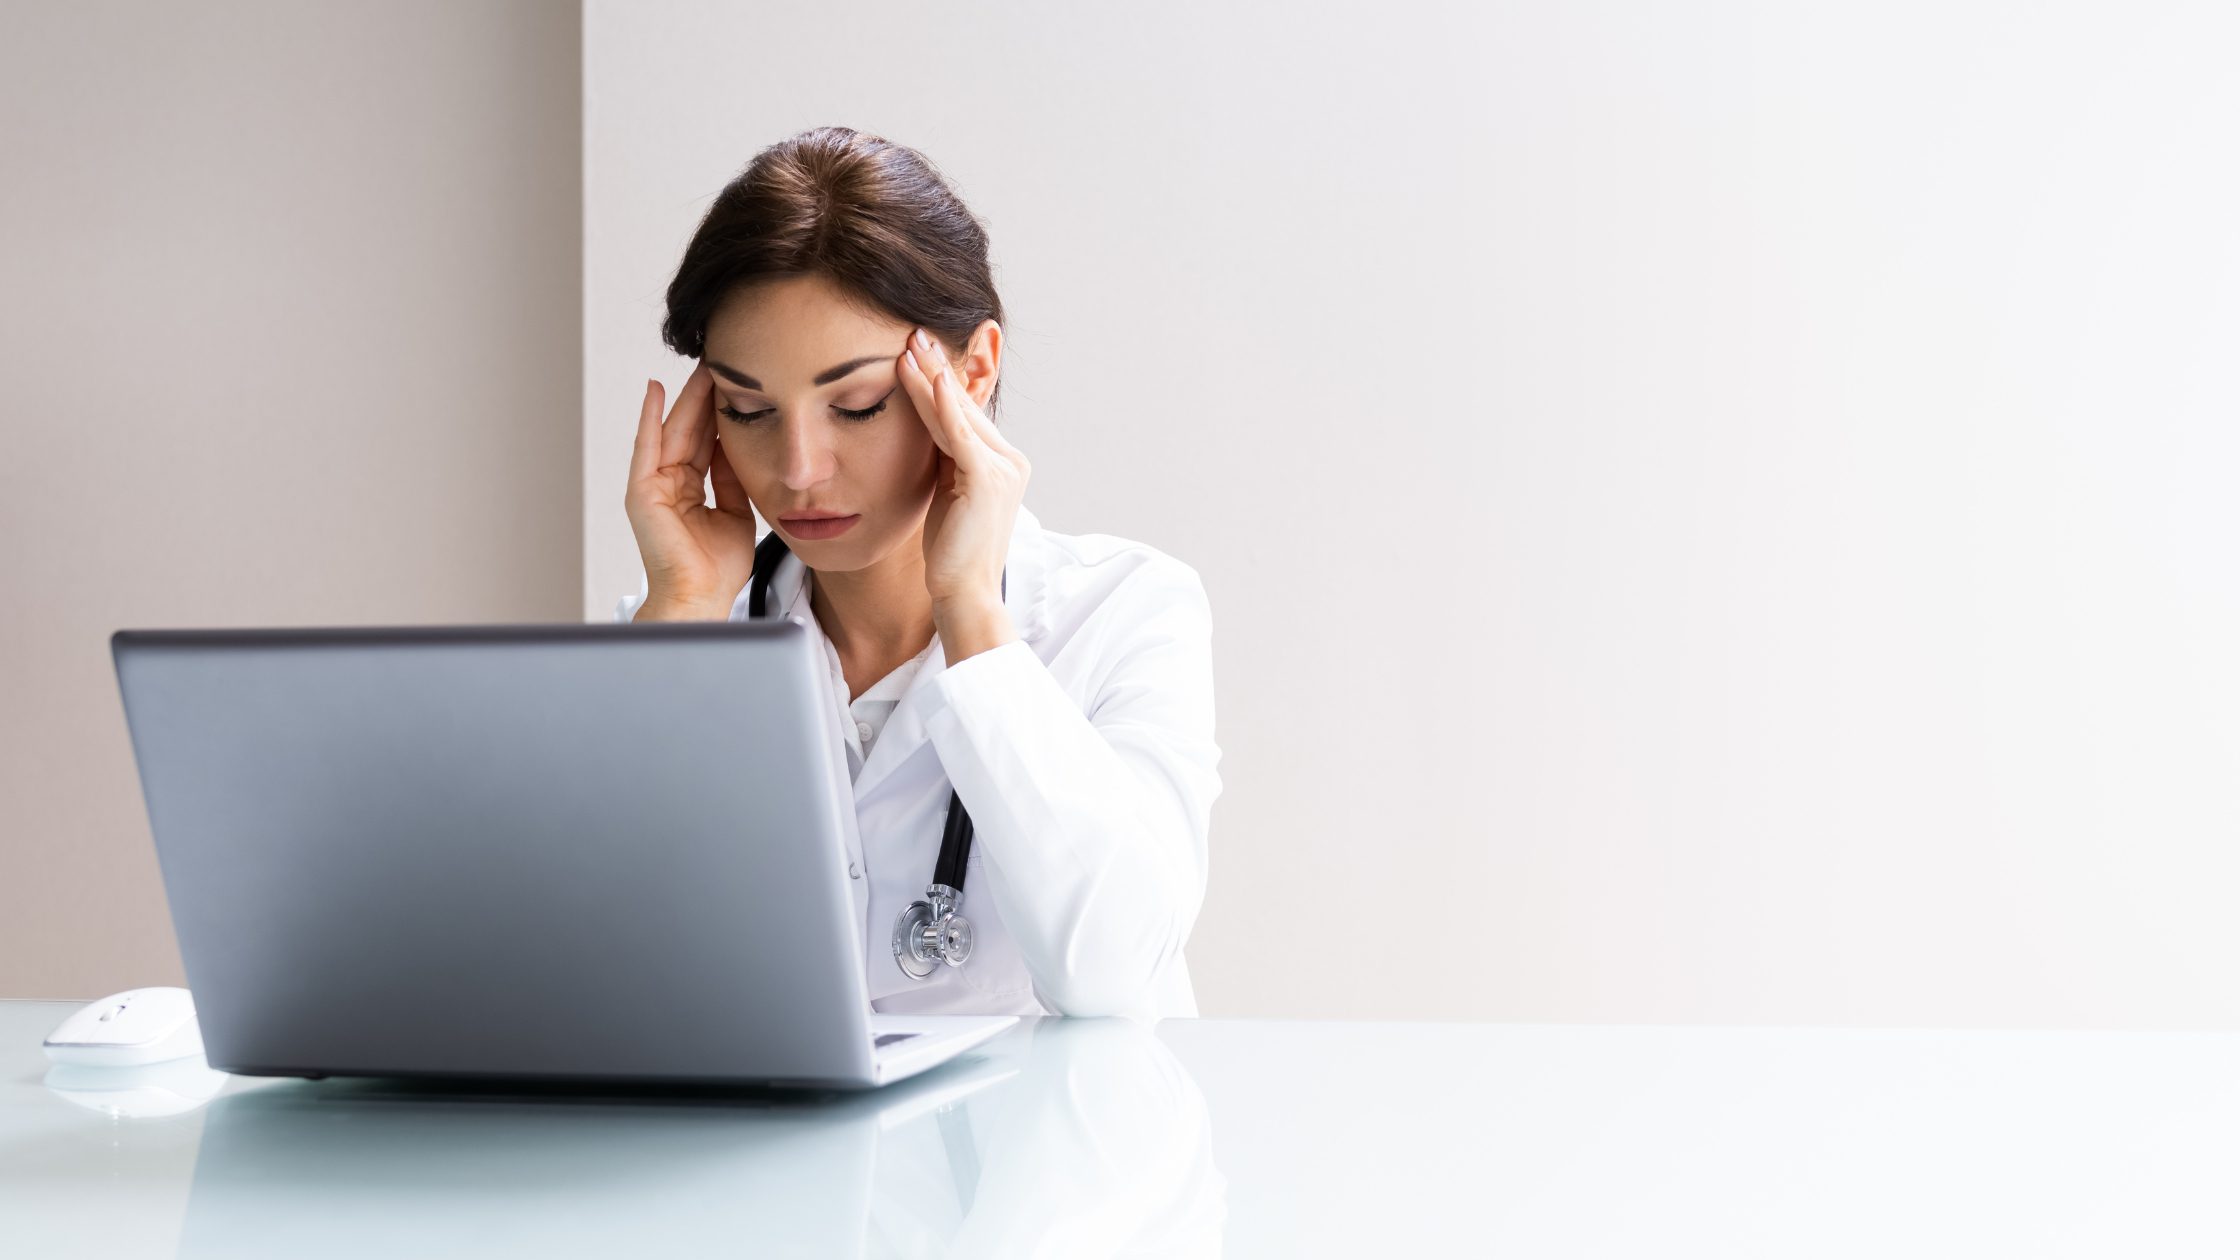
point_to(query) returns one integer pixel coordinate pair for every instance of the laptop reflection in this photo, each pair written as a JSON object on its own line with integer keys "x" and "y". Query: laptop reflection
{"x": 1061, "y": 1136}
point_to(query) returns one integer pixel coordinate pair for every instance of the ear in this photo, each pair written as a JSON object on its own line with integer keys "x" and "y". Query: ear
{"x": 981, "y": 361}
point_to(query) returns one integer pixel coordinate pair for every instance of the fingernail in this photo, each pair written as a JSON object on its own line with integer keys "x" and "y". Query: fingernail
{"x": 924, "y": 342}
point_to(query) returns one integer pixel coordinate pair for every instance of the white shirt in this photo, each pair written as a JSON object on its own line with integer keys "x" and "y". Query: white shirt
{"x": 1084, "y": 752}
{"x": 866, "y": 716}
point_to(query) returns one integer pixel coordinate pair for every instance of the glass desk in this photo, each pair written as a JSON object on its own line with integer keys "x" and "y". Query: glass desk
{"x": 1079, "y": 1138}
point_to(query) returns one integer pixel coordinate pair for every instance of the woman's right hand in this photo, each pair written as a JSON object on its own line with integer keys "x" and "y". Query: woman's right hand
{"x": 694, "y": 555}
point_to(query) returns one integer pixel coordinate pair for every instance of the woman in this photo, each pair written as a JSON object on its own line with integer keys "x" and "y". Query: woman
{"x": 839, "y": 301}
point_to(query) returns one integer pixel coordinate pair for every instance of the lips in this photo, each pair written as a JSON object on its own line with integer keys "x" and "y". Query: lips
{"x": 814, "y": 516}
{"x": 818, "y": 527}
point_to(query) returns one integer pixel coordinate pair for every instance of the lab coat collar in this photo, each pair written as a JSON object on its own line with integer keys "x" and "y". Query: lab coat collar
{"x": 1026, "y": 573}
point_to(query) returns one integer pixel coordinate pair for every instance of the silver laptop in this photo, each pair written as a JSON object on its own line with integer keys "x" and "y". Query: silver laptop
{"x": 599, "y": 852}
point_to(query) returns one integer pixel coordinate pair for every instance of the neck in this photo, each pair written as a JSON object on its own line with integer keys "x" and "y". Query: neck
{"x": 881, "y": 610}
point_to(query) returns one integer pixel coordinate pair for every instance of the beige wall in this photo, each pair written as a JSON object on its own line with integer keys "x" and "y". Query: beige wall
{"x": 290, "y": 333}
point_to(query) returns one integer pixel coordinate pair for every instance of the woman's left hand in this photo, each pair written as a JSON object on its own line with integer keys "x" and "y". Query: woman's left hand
{"x": 976, "y": 493}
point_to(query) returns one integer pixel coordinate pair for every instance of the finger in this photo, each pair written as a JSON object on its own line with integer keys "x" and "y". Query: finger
{"x": 977, "y": 419}
{"x": 731, "y": 497}
{"x": 646, "y": 450}
{"x": 922, "y": 397}
{"x": 680, "y": 434}
{"x": 950, "y": 433}
{"x": 949, "y": 387}
{"x": 705, "y": 452}
{"x": 972, "y": 449}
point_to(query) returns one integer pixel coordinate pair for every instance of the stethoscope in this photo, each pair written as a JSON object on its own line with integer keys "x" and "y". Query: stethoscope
{"x": 929, "y": 932}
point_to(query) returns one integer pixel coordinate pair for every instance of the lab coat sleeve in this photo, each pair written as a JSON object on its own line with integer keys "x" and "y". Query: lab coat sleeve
{"x": 1091, "y": 822}
{"x": 628, "y": 606}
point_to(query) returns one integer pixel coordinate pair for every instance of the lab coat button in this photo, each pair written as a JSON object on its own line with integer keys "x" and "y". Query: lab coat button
{"x": 852, "y": 872}
{"x": 863, "y": 729}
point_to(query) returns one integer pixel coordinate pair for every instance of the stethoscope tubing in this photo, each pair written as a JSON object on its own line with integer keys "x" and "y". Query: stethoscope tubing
{"x": 911, "y": 942}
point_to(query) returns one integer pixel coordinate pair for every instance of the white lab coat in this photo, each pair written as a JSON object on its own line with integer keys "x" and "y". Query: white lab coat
{"x": 1084, "y": 751}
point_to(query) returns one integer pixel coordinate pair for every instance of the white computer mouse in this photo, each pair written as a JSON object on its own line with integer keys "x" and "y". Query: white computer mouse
{"x": 129, "y": 1028}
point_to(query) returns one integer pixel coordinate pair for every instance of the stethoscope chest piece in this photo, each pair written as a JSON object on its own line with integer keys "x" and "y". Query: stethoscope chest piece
{"x": 930, "y": 932}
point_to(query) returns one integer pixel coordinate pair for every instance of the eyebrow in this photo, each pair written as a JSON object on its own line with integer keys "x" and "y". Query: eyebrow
{"x": 826, "y": 377}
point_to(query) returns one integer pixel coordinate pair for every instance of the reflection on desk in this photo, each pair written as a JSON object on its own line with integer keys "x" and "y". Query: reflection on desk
{"x": 1096, "y": 1138}
{"x": 1061, "y": 1137}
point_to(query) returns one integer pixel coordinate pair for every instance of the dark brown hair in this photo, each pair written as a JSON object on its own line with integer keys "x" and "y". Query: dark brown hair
{"x": 870, "y": 215}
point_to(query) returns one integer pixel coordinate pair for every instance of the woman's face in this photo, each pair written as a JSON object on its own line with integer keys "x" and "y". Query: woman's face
{"x": 791, "y": 359}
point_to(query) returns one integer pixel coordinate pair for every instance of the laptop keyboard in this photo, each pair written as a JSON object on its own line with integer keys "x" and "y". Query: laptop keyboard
{"x": 884, "y": 1038}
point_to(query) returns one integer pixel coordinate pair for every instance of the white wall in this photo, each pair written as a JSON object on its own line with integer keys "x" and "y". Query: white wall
{"x": 1714, "y": 513}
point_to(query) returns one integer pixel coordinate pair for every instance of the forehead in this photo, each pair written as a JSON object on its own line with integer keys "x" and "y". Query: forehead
{"x": 793, "y": 328}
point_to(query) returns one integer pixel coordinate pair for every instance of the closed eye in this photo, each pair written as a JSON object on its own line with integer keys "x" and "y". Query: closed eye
{"x": 743, "y": 417}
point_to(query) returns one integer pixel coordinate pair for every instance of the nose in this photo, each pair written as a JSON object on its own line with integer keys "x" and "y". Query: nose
{"x": 805, "y": 454}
